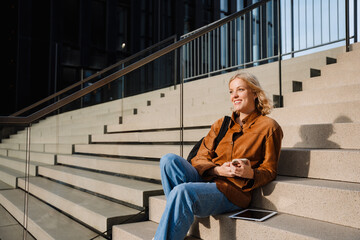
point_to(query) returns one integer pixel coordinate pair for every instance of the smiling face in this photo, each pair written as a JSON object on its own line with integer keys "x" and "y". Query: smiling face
{"x": 242, "y": 97}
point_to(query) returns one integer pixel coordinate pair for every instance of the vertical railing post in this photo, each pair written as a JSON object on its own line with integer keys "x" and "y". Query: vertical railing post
{"x": 175, "y": 65}
{"x": 292, "y": 28}
{"x": 181, "y": 101}
{"x": 279, "y": 52}
{"x": 82, "y": 86}
{"x": 347, "y": 25}
{"x": 355, "y": 21}
{"x": 26, "y": 187}
{"x": 122, "y": 92}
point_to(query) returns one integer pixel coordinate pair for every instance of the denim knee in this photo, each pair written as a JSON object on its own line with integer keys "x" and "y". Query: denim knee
{"x": 185, "y": 194}
{"x": 167, "y": 159}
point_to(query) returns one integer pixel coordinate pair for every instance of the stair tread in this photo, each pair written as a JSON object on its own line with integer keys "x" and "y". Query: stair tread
{"x": 146, "y": 151}
{"x": 43, "y": 221}
{"x": 139, "y": 168}
{"x": 321, "y": 136}
{"x": 121, "y": 181}
{"x": 329, "y": 164}
{"x": 317, "y": 114}
{"x": 91, "y": 202}
{"x": 11, "y": 171}
{"x": 312, "y": 198}
{"x": 125, "y": 189}
{"x": 110, "y": 159}
{"x": 95, "y": 211}
{"x": 4, "y": 185}
{"x": 286, "y": 226}
{"x": 141, "y": 230}
{"x": 324, "y": 95}
{"x": 32, "y": 162}
{"x": 151, "y": 136}
{"x": 320, "y": 183}
{"x": 9, "y": 227}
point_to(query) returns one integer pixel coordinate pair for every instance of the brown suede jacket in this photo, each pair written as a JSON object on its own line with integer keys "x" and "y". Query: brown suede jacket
{"x": 259, "y": 140}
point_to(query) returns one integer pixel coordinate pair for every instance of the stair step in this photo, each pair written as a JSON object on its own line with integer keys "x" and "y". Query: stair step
{"x": 48, "y": 140}
{"x": 335, "y": 136}
{"x": 132, "y": 167}
{"x": 44, "y": 222}
{"x": 134, "y": 231}
{"x": 10, "y": 228}
{"x": 59, "y": 148}
{"x": 137, "y": 231}
{"x": 281, "y": 226}
{"x": 20, "y": 165}
{"x": 156, "y": 207}
{"x": 153, "y": 136}
{"x": 96, "y": 212}
{"x": 153, "y": 121}
{"x": 124, "y": 189}
{"x": 48, "y": 158}
{"x": 331, "y": 78}
{"x": 318, "y": 114}
{"x": 9, "y": 176}
{"x": 4, "y": 185}
{"x": 133, "y": 150}
{"x": 329, "y": 164}
{"x": 352, "y": 57}
{"x": 355, "y": 46}
{"x": 13, "y": 146}
{"x": 310, "y": 198}
{"x": 322, "y": 200}
{"x": 3, "y": 152}
{"x": 325, "y": 95}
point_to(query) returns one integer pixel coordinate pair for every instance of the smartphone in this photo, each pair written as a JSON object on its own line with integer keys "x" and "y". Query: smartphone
{"x": 237, "y": 161}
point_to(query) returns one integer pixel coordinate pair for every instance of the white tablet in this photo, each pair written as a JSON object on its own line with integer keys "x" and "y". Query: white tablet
{"x": 258, "y": 215}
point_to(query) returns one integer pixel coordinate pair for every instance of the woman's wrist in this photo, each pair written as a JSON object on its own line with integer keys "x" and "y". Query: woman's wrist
{"x": 252, "y": 174}
{"x": 213, "y": 171}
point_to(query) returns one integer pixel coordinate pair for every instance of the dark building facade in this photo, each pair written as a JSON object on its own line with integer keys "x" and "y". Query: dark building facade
{"x": 49, "y": 45}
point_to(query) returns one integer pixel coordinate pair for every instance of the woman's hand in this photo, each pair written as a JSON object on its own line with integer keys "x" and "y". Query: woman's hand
{"x": 224, "y": 170}
{"x": 242, "y": 169}
{"x": 228, "y": 169}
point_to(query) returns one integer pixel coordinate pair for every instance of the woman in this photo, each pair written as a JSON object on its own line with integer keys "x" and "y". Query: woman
{"x": 212, "y": 184}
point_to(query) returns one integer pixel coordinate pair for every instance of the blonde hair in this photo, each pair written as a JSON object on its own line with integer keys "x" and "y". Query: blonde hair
{"x": 262, "y": 103}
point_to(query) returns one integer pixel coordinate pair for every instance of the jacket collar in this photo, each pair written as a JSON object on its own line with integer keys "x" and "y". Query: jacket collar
{"x": 248, "y": 121}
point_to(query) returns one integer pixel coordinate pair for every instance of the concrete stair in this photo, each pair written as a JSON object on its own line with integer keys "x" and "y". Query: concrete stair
{"x": 281, "y": 226}
{"x": 10, "y": 228}
{"x": 327, "y": 164}
{"x": 312, "y": 198}
{"x": 319, "y": 188}
{"x": 39, "y": 217}
{"x": 97, "y": 167}
{"x": 126, "y": 150}
{"x": 9, "y": 176}
{"x": 331, "y": 136}
{"x": 127, "y": 190}
{"x": 96, "y": 212}
{"x": 149, "y": 136}
{"x": 131, "y": 167}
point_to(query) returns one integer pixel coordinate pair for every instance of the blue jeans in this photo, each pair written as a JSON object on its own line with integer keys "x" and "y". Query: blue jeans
{"x": 187, "y": 195}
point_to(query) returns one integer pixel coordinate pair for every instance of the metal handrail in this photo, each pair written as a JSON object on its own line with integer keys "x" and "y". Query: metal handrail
{"x": 92, "y": 76}
{"x": 11, "y": 120}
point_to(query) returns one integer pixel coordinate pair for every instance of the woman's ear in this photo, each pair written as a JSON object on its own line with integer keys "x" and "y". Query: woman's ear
{"x": 255, "y": 95}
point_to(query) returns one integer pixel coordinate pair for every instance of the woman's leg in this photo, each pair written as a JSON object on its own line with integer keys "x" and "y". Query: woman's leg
{"x": 186, "y": 200}
{"x": 176, "y": 170}
{"x": 186, "y": 195}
